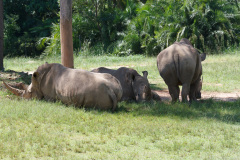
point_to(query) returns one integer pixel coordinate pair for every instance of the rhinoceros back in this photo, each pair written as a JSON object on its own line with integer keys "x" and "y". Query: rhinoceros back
{"x": 78, "y": 87}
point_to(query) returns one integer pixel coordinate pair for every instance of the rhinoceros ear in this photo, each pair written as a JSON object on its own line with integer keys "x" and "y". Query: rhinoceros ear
{"x": 203, "y": 56}
{"x": 35, "y": 78}
{"x": 145, "y": 74}
{"x": 35, "y": 74}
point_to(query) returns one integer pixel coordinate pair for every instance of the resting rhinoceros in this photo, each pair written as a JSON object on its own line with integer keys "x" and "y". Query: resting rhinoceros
{"x": 135, "y": 87}
{"x": 180, "y": 64}
{"x": 72, "y": 87}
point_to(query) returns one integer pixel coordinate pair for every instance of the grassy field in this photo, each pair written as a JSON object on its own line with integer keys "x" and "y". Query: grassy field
{"x": 45, "y": 130}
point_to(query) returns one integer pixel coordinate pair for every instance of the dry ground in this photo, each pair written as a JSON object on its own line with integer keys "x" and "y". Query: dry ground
{"x": 219, "y": 96}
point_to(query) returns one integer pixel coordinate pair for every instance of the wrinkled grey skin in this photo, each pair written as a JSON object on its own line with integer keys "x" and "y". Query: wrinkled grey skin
{"x": 72, "y": 87}
{"x": 135, "y": 87}
{"x": 180, "y": 64}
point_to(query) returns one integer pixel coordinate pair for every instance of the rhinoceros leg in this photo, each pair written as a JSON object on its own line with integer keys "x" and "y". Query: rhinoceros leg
{"x": 192, "y": 96}
{"x": 185, "y": 91}
{"x": 174, "y": 92}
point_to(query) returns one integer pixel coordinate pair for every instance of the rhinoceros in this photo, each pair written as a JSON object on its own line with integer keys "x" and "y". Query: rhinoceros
{"x": 135, "y": 87}
{"x": 72, "y": 87}
{"x": 180, "y": 64}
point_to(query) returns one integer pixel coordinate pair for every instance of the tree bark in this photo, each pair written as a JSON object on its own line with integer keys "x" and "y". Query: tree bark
{"x": 1, "y": 35}
{"x": 66, "y": 33}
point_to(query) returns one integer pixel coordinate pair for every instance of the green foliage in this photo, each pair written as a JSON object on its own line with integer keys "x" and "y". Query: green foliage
{"x": 98, "y": 23}
{"x": 148, "y": 28}
{"x": 122, "y": 27}
{"x": 206, "y": 23}
{"x": 11, "y": 28}
{"x": 139, "y": 36}
{"x": 53, "y": 42}
{"x": 209, "y": 25}
{"x": 29, "y": 20}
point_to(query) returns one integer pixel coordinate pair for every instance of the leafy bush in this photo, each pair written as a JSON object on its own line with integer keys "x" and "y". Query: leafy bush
{"x": 147, "y": 27}
{"x": 53, "y": 42}
{"x": 206, "y": 23}
{"x": 210, "y": 25}
{"x": 11, "y": 28}
{"x": 25, "y": 23}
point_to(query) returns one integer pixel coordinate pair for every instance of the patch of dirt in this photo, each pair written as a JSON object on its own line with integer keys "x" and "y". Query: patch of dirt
{"x": 218, "y": 96}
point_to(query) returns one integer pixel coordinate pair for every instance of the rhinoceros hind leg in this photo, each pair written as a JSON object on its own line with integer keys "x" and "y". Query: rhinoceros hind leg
{"x": 185, "y": 91}
{"x": 174, "y": 92}
{"x": 192, "y": 96}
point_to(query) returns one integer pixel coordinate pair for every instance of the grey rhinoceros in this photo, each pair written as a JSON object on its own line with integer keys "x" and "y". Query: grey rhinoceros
{"x": 180, "y": 64}
{"x": 135, "y": 87}
{"x": 72, "y": 87}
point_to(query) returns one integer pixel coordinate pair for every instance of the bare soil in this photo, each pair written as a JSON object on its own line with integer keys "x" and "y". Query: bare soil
{"x": 218, "y": 96}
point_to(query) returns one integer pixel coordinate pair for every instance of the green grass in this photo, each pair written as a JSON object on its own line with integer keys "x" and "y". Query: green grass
{"x": 39, "y": 129}
{"x": 222, "y": 73}
{"x": 31, "y": 129}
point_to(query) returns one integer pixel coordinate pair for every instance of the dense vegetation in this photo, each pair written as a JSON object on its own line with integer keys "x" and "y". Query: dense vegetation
{"x": 25, "y": 23}
{"x": 122, "y": 27}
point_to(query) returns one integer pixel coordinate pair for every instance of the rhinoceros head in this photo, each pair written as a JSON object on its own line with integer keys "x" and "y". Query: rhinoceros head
{"x": 141, "y": 87}
{"x": 26, "y": 91}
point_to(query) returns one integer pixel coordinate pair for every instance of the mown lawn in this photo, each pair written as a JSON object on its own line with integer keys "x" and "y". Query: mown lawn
{"x": 45, "y": 130}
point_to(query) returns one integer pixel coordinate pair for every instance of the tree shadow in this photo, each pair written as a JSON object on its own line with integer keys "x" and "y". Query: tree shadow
{"x": 228, "y": 112}
{"x": 13, "y": 76}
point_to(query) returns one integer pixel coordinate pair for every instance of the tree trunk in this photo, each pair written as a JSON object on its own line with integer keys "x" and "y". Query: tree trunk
{"x": 66, "y": 33}
{"x": 1, "y": 35}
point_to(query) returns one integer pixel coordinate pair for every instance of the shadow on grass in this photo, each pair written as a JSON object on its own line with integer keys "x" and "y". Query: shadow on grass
{"x": 155, "y": 87}
{"x": 219, "y": 110}
{"x": 13, "y": 76}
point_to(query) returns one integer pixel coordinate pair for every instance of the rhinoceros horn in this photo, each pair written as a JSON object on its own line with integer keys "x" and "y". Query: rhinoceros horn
{"x": 15, "y": 91}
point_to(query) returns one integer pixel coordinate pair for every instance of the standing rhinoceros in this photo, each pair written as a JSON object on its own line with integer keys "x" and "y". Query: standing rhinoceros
{"x": 72, "y": 86}
{"x": 180, "y": 64}
{"x": 135, "y": 86}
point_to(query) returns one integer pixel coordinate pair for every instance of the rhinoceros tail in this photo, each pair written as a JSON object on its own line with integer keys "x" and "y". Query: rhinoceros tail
{"x": 177, "y": 64}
